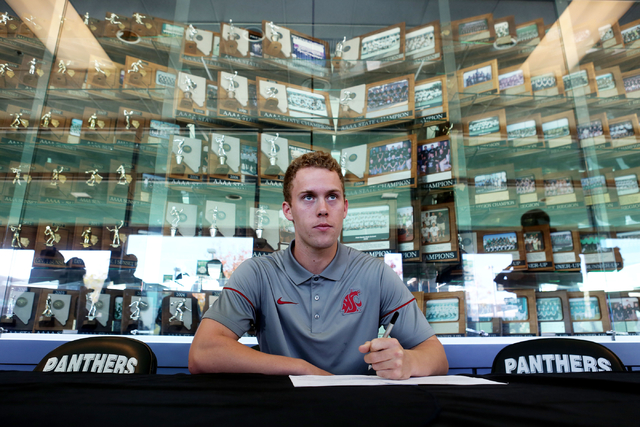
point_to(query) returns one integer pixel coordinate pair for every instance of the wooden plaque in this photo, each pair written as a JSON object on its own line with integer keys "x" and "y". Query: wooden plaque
{"x": 537, "y": 245}
{"x": 439, "y": 233}
{"x": 519, "y": 313}
{"x": 446, "y": 312}
{"x": 487, "y": 129}
{"x": 503, "y": 242}
{"x": 554, "y": 318}
{"x": 589, "y": 312}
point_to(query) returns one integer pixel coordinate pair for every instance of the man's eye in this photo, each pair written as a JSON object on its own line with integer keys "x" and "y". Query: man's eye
{"x": 333, "y": 197}
{"x": 308, "y": 197}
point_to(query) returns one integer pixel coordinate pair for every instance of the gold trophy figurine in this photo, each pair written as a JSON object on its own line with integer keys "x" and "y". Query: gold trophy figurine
{"x": 116, "y": 242}
{"x": 16, "y": 242}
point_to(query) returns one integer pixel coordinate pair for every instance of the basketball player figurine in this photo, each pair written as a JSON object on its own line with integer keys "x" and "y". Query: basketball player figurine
{"x": 222, "y": 168}
{"x": 273, "y": 168}
{"x": 187, "y": 93}
{"x": 275, "y": 47}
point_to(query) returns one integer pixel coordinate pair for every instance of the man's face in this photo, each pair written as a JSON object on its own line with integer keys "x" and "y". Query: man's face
{"x": 317, "y": 208}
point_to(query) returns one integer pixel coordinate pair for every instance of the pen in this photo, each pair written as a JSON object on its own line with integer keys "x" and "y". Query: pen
{"x": 390, "y": 327}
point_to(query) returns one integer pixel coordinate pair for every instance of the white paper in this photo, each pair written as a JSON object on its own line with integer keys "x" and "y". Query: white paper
{"x": 350, "y": 380}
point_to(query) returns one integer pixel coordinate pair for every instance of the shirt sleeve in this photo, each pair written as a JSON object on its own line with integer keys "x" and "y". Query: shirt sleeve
{"x": 412, "y": 327}
{"x": 237, "y": 305}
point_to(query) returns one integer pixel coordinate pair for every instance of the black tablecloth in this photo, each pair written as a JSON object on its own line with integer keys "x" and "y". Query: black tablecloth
{"x": 594, "y": 399}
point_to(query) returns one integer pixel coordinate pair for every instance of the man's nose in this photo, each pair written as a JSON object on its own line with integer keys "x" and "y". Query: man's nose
{"x": 322, "y": 207}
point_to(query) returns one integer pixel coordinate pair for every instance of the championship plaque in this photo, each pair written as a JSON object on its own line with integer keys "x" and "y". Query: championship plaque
{"x": 51, "y": 238}
{"x": 20, "y": 236}
{"x": 114, "y": 24}
{"x": 631, "y": 35}
{"x": 631, "y": 81}
{"x": 238, "y": 100}
{"x": 598, "y": 187}
{"x": 537, "y": 245}
{"x": 56, "y": 311}
{"x": 486, "y": 129}
{"x": 98, "y": 126}
{"x": 276, "y": 153}
{"x": 120, "y": 181}
{"x": 562, "y": 190}
{"x": 529, "y": 188}
{"x": 408, "y": 225}
{"x": 30, "y": 72}
{"x": 610, "y": 86}
{"x": 565, "y": 246}
{"x": 185, "y": 162}
{"x": 87, "y": 235}
{"x": 435, "y": 162}
{"x": 103, "y": 76}
{"x": 265, "y": 224}
{"x": 627, "y": 189}
{"x": 55, "y": 125}
{"x": 377, "y": 104}
{"x": 200, "y": 46}
{"x": 431, "y": 101}
{"x": 610, "y": 36}
{"x": 589, "y": 312}
{"x": 446, "y": 312}
{"x": 18, "y": 123}
{"x": 519, "y": 313}
{"x": 296, "y": 106}
{"x": 19, "y": 312}
{"x": 8, "y": 25}
{"x": 595, "y": 132}
{"x": 477, "y": 30}
{"x": 66, "y": 75}
{"x": 294, "y": 50}
{"x": 140, "y": 312}
{"x": 373, "y": 50}
{"x": 501, "y": 242}
{"x": 625, "y": 307}
{"x": 240, "y": 46}
{"x": 145, "y": 78}
{"x": 439, "y": 233}
{"x": 370, "y": 227}
{"x": 554, "y": 318}
{"x": 226, "y": 157}
{"x": 191, "y": 98}
{"x": 182, "y": 219}
{"x": 530, "y": 33}
{"x": 423, "y": 43}
{"x": 547, "y": 84}
{"x": 478, "y": 82}
{"x": 97, "y": 310}
{"x": 515, "y": 84}
{"x": 220, "y": 218}
{"x": 598, "y": 251}
{"x": 581, "y": 82}
{"x": 180, "y": 314}
{"x": 525, "y": 132}
{"x": 559, "y": 130}
{"x": 389, "y": 161}
{"x": 491, "y": 187}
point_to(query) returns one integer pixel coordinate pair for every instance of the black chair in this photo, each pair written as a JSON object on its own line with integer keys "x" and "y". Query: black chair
{"x": 555, "y": 355}
{"x": 103, "y": 354}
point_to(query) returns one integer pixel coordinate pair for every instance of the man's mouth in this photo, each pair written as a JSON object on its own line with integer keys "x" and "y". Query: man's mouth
{"x": 323, "y": 226}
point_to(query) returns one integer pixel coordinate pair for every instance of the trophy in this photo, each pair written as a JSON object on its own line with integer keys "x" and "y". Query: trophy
{"x": 136, "y": 72}
{"x": 100, "y": 76}
{"x": 31, "y": 77}
{"x": 222, "y": 168}
{"x": 6, "y": 27}
{"x": 18, "y": 242}
{"x": 347, "y": 97}
{"x": 275, "y": 47}
{"x": 213, "y": 230}
{"x": 179, "y": 168}
{"x": 343, "y": 164}
{"x": 175, "y": 213}
{"x": 88, "y": 238}
{"x": 187, "y": 93}
{"x": 6, "y": 74}
{"x": 340, "y": 48}
{"x": 112, "y": 25}
{"x": 92, "y": 300}
{"x": 271, "y": 103}
{"x": 51, "y": 235}
{"x": 141, "y": 27}
{"x": 232, "y": 43}
{"x": 260, "y": 214}
{"x": 273, "y": 168}
{"x": 116, "y": 242}
{"x": 180, "y": 308}
{"x": 8, "y": 319}
{"x": 57, "y": 179}
{"x": 231, "y": 90}
{"x": 190, "y": 45}
{"x": 123, "y": 179}
{"x": 94, "y": 179}
{"x": 18, "y": 122}
{"x": 46, "y": 319}
{"x": 60, "y": 77}
{"x": 136, "y": 306}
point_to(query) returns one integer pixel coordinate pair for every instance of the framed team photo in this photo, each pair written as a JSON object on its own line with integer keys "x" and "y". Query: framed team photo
{"x": 631, "y": 34}
{"x": 480, "y": 80}
{"x": 487, "y": 129}
{"x": 503, "y": 242}
{"x": 374, "y": 50}
{"x": 624, "y": 131}
{"x": 505, "y": 32}
{"x": 529, "y": 188}
{"x": 594, "y": 132}
{"x": 559, "y": 129}
{"x": 627, "y": 187}
{"x": 446, "y": 312}
{"x": 438, "y": 233}
{"x": 598, "y": 187}
{"x": 435, "y": 162}
{"x": 530, "y": 33}
{"x": 514, "y": 81}
{"x": 377, "y": 104}
{"x": 519, "y": 314}
{"x": 538, "y": 249}
{"x": 589, "y": 312}
{"x": 631, "y": 81}
{"x": 625, "y": 309}
{"x": 492, "y": 185}
{"x": 563, "y": 189}
{"x": 431, "y": 101}
{"x": 526, "y": 132}
{"x": 610, "y": 36}
{"x": 423, "y": 43}
{"x": 554, "y": 317}
{"x": 547, "y": 82}
{"x": 581, "y": 82}
{"x": 609, "y": 84}
{"x": 408, "y": 225}
{"x": 475, "y": 29}
{"x": 598, "y": 251}
{"x": 371, "y": 227}
{"x": 565, "y": 245}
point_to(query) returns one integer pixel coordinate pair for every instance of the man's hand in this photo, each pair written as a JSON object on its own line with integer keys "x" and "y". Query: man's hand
{"x": 391, "y": 361}
{"x": 387, "y": 357}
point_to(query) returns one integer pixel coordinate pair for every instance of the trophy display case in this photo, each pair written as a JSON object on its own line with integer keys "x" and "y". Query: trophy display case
{"x": 142, "y": 158}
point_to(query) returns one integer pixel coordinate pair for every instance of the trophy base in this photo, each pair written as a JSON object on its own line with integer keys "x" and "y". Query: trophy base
{"x": 231, "y": 104}
{"x": 259, "y": 242}
{"x": 30, "y": 80}
{"x": 213, "y": 232}
{"x": 186, "y": 104}
{"x": 135, "y": 78}
{"x": 191, "y": 48}
{"x": 271, "y": 104}
{"x": 273, "y": 170}
{"x": 7, "y": 321}
{"x": 176, "y": 324}
{"x": 89, "y": 324}
{"x": 274, "y": 49}
{"x": 59, "y": 80}
{"x": 178, "y": 169}
{"x": 100, "y": 79}
{"x": 110, "y": 30}
{"x": 221, "y": 170}
{"x": 45, "y": 321}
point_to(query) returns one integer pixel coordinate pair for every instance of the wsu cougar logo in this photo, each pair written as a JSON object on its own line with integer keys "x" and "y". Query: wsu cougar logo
{"x": 351, "y": 303}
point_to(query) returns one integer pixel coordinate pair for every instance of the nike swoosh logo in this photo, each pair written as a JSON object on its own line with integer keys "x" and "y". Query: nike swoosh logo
{"x": 285, "y": 302}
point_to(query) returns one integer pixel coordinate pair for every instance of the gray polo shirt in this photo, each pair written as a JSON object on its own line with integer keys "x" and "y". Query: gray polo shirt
{"x": 319, "y": 318}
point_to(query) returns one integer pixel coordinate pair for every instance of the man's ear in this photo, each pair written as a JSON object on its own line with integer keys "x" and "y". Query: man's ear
{"x": 286, "y": 210}
{"x": 346, "y": 208}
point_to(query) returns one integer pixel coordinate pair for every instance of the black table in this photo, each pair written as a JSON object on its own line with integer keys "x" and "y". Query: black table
{"x": 593, "y": 399}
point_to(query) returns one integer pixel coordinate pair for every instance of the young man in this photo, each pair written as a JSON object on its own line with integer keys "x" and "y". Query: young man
{"x": 317, "y": 305}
